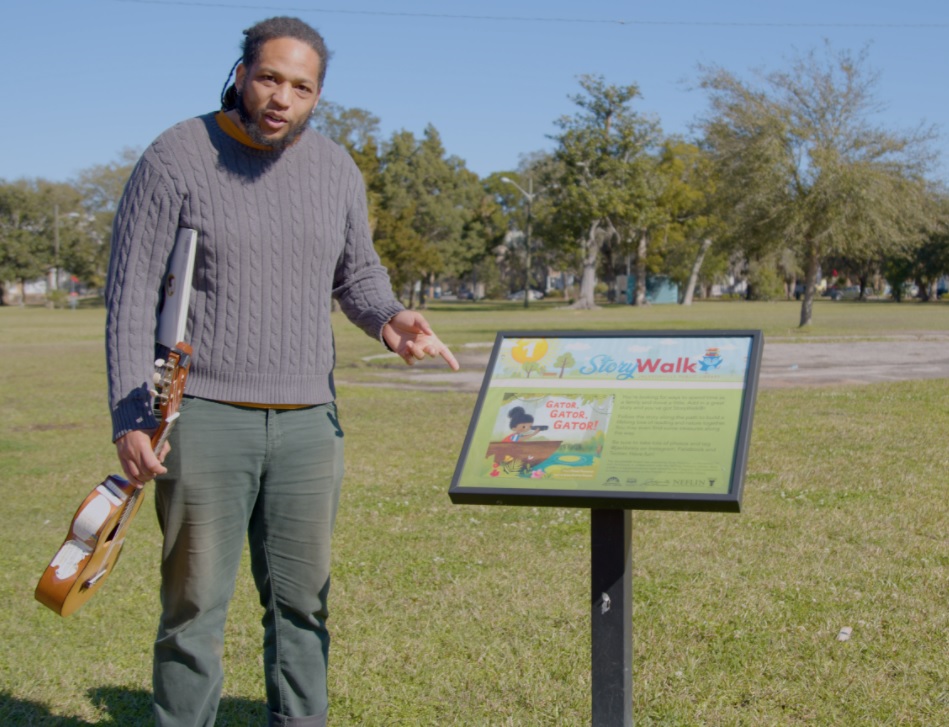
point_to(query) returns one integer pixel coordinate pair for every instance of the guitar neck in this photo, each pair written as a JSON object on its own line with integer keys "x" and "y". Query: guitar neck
{"x": 161, "y": 434}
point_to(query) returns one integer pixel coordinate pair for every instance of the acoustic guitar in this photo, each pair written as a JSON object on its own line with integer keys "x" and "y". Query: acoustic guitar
{"x": 97, "y": 532}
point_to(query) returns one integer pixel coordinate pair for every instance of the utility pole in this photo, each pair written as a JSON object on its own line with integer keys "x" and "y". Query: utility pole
{"x": 529, "y": 196}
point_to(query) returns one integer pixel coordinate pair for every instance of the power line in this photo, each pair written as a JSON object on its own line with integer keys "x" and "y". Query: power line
{"x": 542, "y": 19}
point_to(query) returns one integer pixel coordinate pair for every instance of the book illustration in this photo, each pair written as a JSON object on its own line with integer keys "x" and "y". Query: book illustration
{"x": 554, "y": 436}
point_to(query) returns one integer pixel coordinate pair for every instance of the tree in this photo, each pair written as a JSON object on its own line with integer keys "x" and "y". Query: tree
{"x": 685, "y": 215}
{"x": 490, "y": 224}
{"x": 352, "y": 128}
{"x": 514, "y": 230}
{"x": 37, "y": 234}
{"x": 19, "y": 255}
{"x": 446, "y": 202}
{"x": 565, "y": 361}
{"x": 802, "y": 166}
{"x": 601, "y": 186}
{"x": 100, "y": 188}
{"x": 926, "y": 262}
{"x": 402, "y": 250}
{"x": 355, "y": 129}
{"x": 428, "y": 213}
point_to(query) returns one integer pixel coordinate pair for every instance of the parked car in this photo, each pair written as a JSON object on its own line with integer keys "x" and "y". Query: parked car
{"x": 851, "y": 292}
{"x": 519, "y": 295}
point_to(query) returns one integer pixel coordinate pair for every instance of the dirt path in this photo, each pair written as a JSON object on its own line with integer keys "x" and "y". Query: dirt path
{"x": 855, "y": 362}
{"x": 922, "y": 355}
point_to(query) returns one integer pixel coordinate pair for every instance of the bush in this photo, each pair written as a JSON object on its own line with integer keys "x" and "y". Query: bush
{"x": 57, "y": 299}
{"x": 764, "y": 281}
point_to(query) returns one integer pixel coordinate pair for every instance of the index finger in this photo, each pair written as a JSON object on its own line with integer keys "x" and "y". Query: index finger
{"x": 446, "y": 354}
{"x": 435, "y": 347}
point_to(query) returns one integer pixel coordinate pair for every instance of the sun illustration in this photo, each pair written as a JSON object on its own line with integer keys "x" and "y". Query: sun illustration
{"x": 529, "y": 350}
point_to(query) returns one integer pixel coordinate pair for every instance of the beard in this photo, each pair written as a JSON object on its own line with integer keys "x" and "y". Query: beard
{"x": 251, "y": 126}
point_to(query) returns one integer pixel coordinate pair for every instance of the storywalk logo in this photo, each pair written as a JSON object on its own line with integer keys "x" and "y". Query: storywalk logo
{"x": 605, "y": 364}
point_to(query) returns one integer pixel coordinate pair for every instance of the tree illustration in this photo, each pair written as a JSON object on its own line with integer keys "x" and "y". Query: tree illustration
{"x": 565, "y": 361}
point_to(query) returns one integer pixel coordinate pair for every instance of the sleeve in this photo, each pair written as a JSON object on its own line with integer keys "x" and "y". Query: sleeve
{"x": 361, "y": 283}
{"x": 143, "y": 235}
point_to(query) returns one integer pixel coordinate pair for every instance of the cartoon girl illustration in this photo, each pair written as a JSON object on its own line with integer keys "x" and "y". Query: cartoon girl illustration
{"x": 522, "y": 425}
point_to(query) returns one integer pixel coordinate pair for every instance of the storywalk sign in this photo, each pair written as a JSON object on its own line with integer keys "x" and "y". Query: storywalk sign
{"x": 616, "y": 419}
{"x": 612, "y": 421}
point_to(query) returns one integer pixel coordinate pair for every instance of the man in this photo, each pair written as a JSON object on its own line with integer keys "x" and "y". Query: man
{"x": 282, "y": 223}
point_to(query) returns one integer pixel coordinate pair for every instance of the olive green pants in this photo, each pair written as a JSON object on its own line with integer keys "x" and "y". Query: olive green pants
{"x": 275, "y": 476}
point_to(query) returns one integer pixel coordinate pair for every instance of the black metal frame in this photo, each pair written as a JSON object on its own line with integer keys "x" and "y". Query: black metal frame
{"x": 610, "y": 499}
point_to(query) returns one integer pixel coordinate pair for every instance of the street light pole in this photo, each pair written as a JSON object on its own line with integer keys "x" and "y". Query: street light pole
{"x": 55, "y": 271}
{"x": 529, "y": 196}
{"x": 54, "y": 276}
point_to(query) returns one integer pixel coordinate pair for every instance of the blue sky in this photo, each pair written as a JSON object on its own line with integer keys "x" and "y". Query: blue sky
{"x": 86, "y": 79}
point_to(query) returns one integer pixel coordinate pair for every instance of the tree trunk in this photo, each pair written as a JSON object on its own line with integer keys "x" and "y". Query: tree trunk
{"x": 810, "y": 283}
{"x": 422, "y": 297}
{"x": 641, "y": 248}
{"x": 927, "y": 291}
{"x": 694, "y": 275}
{"x": 864, "y": 279}
{"x": 590, "y": 249}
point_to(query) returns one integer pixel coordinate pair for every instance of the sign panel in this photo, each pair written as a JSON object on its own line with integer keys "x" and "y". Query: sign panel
{"x": 615, "y": 419}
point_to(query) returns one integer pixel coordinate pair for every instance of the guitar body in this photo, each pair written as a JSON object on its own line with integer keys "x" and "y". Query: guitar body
{"x": 98, "y": 529}
{"x": 92, "y": 547}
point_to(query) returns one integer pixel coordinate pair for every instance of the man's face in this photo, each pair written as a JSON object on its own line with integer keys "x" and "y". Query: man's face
{"x": 279, "y": 92}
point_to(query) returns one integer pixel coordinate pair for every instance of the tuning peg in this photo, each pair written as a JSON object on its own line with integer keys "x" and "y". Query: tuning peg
{"x": 159, "y": 363}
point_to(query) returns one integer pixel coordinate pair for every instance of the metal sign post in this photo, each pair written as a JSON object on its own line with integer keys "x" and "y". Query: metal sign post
{"x": 611, "y": 616}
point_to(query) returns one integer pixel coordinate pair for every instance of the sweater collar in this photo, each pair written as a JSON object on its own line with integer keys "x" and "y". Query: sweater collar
{"x": 236, "y": 132}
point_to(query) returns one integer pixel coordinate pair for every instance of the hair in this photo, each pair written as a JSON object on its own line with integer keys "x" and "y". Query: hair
{"x": 273, "y": 29}
{"x": 517, "y": 416}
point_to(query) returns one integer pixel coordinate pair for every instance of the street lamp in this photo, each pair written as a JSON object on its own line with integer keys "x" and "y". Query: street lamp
{"x": 53, "y": 282}
{"x": 529, "y": 196}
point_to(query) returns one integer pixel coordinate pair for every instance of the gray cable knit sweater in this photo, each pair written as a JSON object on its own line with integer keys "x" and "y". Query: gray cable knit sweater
{"x": 279, "y": 234}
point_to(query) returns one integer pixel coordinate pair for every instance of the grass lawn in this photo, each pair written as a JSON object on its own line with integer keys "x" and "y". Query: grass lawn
{"x": 471, "y": 615}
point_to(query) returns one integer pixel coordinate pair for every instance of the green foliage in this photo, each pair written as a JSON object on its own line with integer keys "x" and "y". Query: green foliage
{"x": 402, "y": 250}
{"x": 57, "y": 298}
{"x": 926, "y": 262}
{"x": 47, "y": 225}
{"x": 565, "y": 361}
{"x": 603, "y": 183}
{"x": 443, "y": 202}
{"x": 34, "y": 236}
{"x": 802, "y": 165}
{"x": 100, "y": 188}
{"x": 764, "y": 281}
{"x": 355, "y": 129}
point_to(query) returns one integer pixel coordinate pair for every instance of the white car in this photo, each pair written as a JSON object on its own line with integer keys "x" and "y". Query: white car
{"x": 519, "y": 295}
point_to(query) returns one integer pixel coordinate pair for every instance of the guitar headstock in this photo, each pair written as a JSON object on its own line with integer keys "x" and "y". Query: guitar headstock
{"x": 169, "y": 382}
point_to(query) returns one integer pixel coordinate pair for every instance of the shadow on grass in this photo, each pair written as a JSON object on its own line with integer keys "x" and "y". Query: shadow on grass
{"x": 125, "y": 707}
